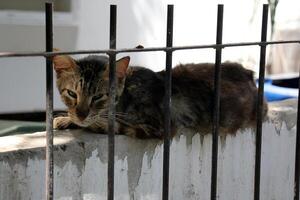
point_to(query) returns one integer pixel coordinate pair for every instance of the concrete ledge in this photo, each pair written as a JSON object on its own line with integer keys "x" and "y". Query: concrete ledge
{"x": 81, "y": 164}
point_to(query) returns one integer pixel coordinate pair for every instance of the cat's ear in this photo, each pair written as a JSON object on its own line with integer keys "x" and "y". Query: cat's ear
{"x": 63, "y": 63}
{"x": 121, "y": 67}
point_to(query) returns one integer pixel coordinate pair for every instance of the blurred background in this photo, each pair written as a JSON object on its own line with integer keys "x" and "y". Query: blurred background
{"x": 84, "y": 24}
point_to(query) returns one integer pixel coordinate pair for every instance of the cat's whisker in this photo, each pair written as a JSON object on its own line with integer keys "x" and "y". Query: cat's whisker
{"x": 124, "y": 122}
{"x": 106, "y": 115}
{"x": 117, "y": 113}
{"x": 121, "y": 113}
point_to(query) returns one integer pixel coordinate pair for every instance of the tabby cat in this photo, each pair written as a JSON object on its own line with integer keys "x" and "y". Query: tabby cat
{"x": 83, "y": 86}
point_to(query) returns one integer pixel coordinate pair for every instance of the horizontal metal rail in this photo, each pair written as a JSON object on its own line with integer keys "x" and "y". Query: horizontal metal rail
{"x": 116, "y": 51}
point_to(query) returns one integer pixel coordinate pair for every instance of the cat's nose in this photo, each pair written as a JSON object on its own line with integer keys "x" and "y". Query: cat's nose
{"x": 82, "y": 114}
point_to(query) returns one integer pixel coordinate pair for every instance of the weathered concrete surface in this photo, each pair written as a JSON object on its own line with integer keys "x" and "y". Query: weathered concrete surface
{"x": 81, "y": 164}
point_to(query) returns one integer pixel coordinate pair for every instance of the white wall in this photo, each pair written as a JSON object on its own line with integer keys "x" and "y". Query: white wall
{"x": 22, "y": 80}
{"x": 80, "y": 164}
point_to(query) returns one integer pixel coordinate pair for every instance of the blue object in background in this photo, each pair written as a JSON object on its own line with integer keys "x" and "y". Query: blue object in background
{"x": 280, "y": 89}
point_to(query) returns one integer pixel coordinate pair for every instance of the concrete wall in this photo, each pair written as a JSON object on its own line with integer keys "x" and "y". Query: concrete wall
{"x": 80, "y": 168}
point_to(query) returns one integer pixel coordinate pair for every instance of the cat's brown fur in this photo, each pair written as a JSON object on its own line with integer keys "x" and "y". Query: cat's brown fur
{"x": 238, "y": 93}
{"x": 83, "y": 85}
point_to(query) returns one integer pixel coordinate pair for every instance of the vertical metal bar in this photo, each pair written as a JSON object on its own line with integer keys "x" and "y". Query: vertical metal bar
{"x": 167, "y": 107}
{"x": 260, "y": 100}
{"x": 112, "y": 97}
{"x": 297, "y": 156}
{"x": 49, "y": 103}
{"x": 216, "y": 110}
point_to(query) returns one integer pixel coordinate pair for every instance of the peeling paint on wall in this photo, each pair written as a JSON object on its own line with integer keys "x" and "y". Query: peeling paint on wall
{"x": 80, "y": 170}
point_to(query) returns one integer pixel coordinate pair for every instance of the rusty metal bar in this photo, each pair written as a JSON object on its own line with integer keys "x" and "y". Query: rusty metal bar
{"x": 49, "y": 103}
{"x": 216, "y": 110}
{"x": 112, "y": 109}
{"x": 260, "y": 99}
{"x": 297, "y": 156}
{"x": 176, "y": 48}
{"x": 167, "y": 106}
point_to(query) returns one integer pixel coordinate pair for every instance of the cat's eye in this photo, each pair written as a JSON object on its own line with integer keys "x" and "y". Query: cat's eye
{"x": 72, "y": 94}
{"x": 97, "y": 97}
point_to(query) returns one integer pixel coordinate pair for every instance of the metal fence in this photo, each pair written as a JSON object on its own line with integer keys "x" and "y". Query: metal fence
{"x": 169, "y": 49}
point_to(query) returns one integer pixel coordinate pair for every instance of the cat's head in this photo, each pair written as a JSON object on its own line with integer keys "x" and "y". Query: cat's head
{"x": 84, "y": 85}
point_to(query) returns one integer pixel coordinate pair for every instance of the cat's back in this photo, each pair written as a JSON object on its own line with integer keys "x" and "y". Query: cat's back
{"x": 230, "y": 71}
{"x": 238, "y": 93}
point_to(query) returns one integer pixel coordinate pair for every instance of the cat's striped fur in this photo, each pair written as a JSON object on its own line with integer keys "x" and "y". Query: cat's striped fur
{"x": 83, "y": 85}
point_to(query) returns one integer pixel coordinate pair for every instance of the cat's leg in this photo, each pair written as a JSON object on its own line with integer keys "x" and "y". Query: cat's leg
{"x": 62, "y": 122}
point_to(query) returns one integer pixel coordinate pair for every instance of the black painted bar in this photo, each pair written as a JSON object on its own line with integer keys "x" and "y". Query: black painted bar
{"x": 49, "y": 103}
{"x": 216, "y": 110}
{"x": 260, "y": 100}
{"x": 167, "y": 107}
{"x": 297, "y": 156}
{"x": 112, "y": 109}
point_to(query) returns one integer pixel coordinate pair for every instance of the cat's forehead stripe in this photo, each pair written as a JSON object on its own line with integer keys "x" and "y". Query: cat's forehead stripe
{"x": 91, "y": 70}
{"x": 89, "y": 80}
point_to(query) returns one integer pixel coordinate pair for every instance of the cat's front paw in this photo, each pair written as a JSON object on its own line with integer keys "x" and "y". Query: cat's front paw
{"x": 61, "y": 122}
